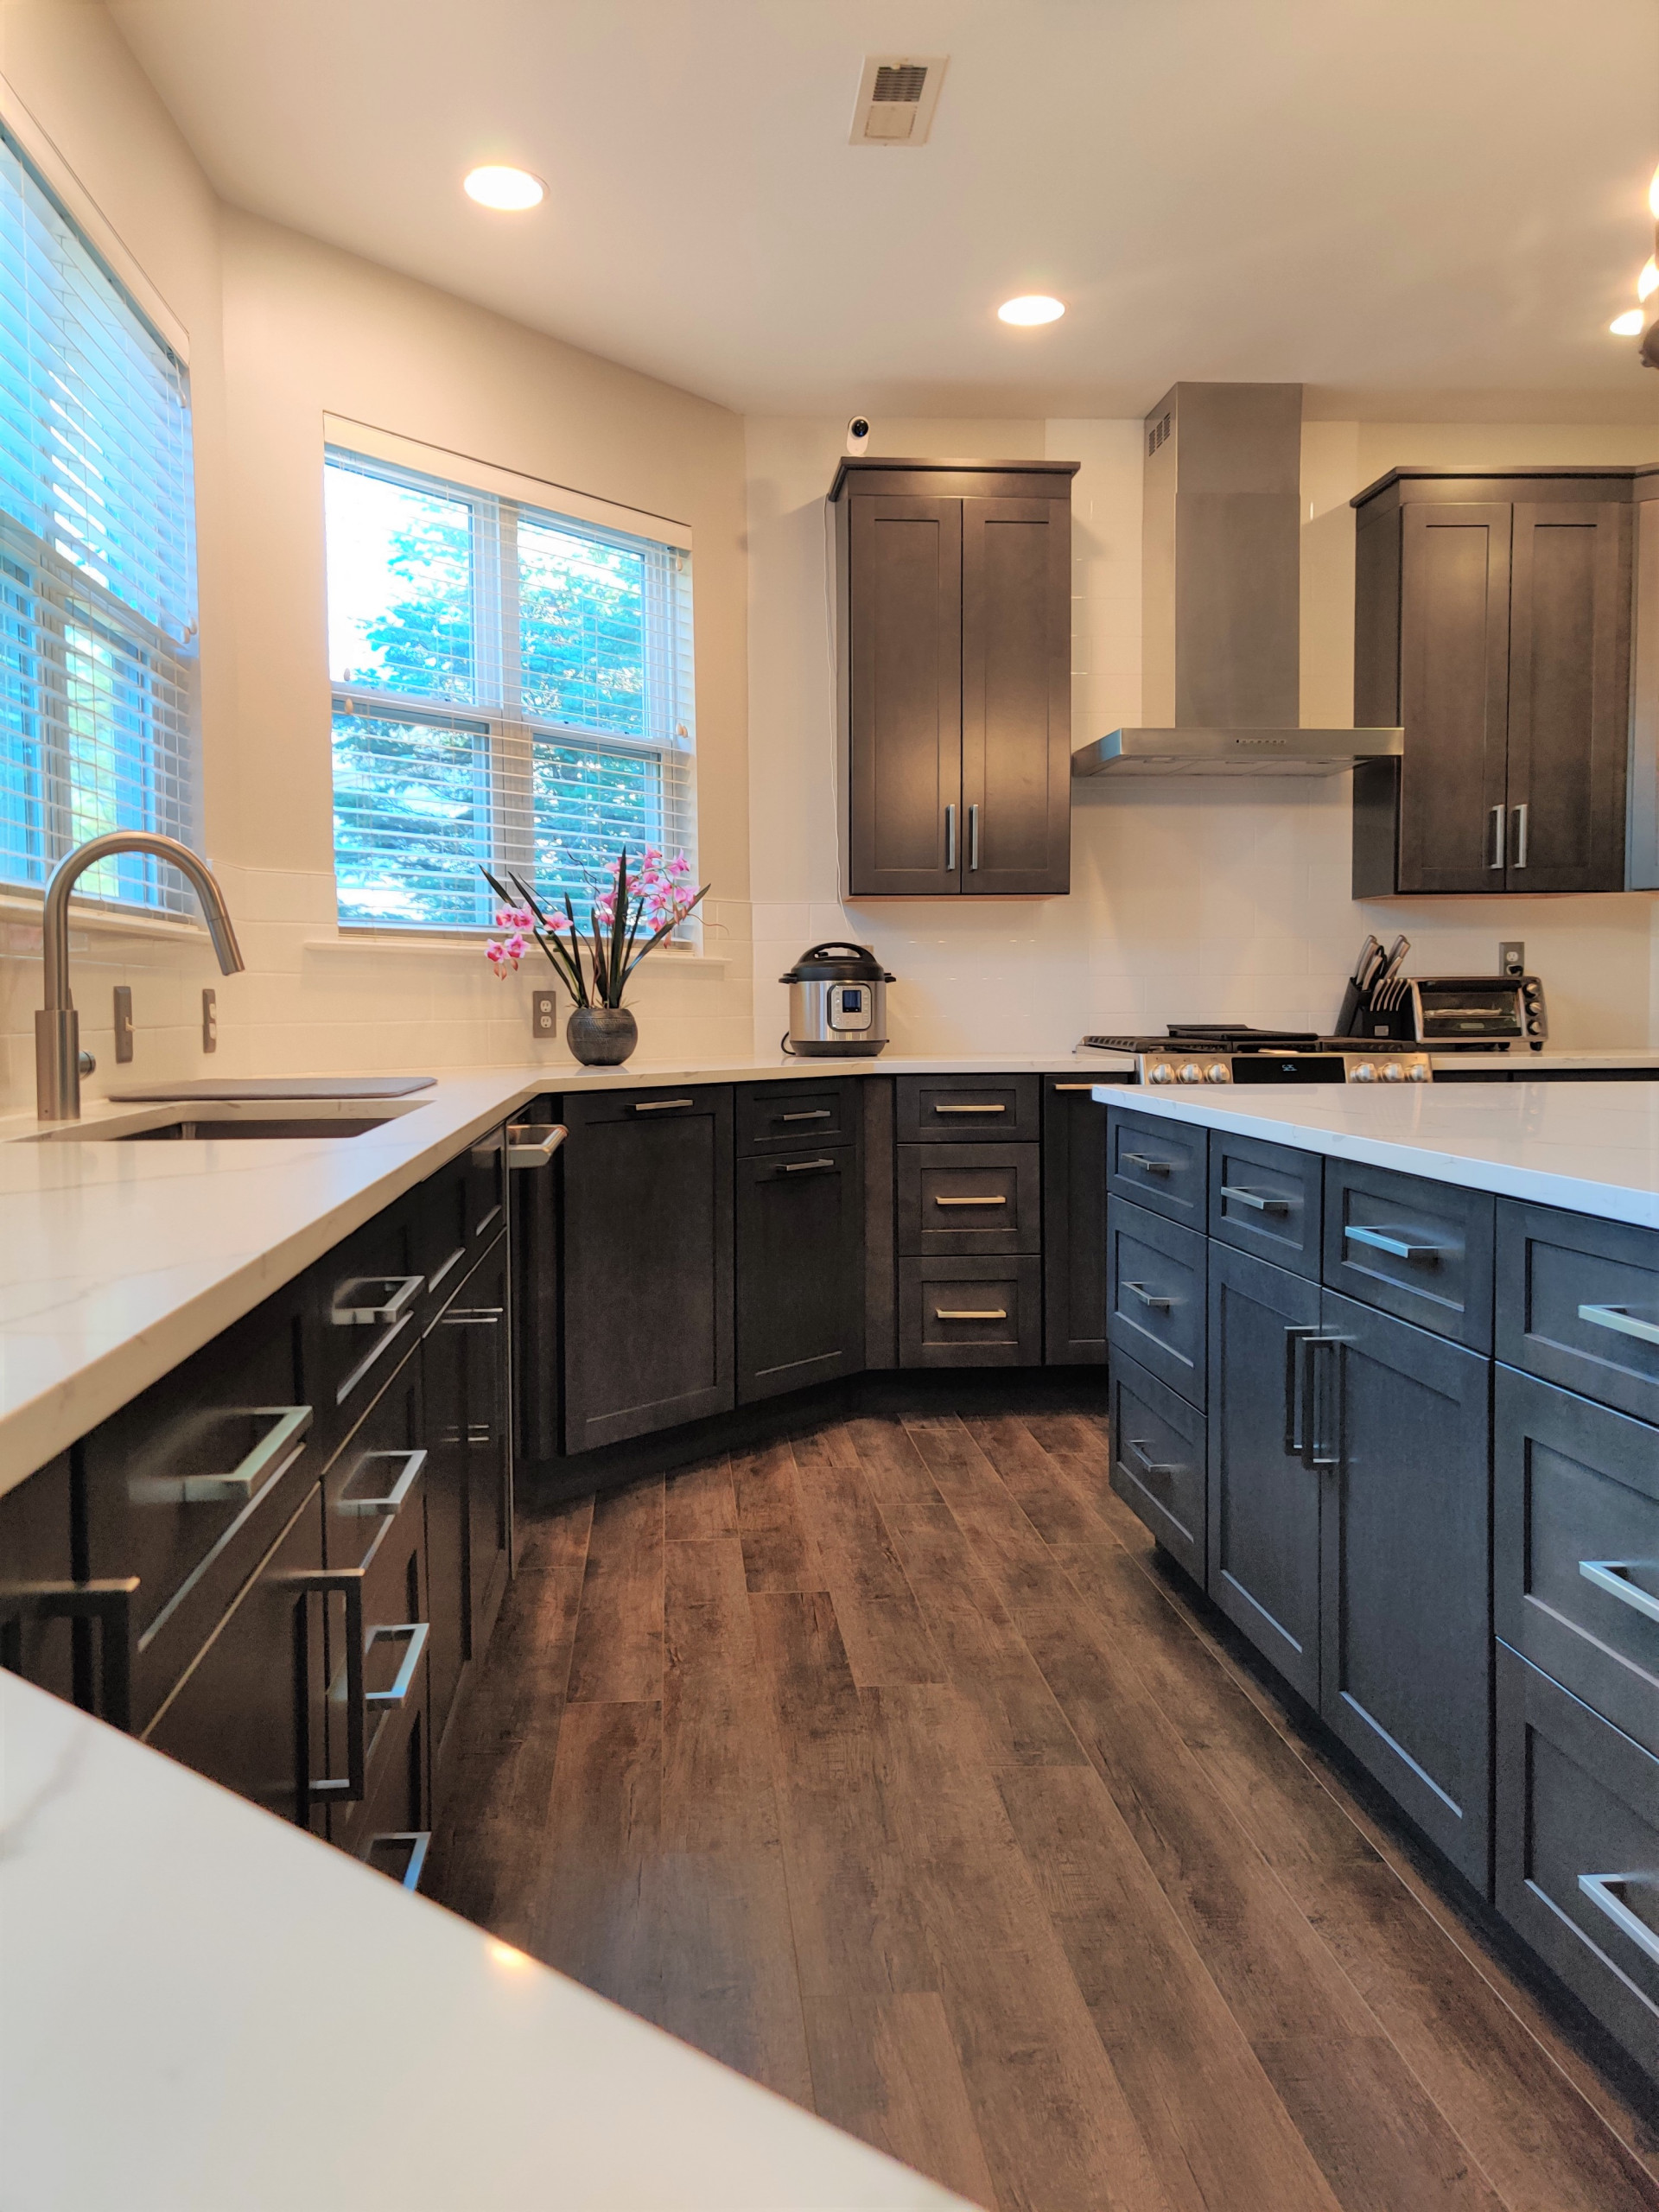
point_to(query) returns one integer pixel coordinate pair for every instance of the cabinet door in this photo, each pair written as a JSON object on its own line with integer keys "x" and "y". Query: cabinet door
{"x": 1407, "y": 1627}
{"x": 1265, "y": 1500}
{"x": 38, "y": 1636}
{"x": 905, "y": 703}
{"x": 800, "y": 1271}
{"x": 647, "y": 1181}
{"x": 1074, "y": 1225}
{"x": 1454, "y": 670}
{"x": 1569, "y": 696}
{"x": 1016, "y": 698}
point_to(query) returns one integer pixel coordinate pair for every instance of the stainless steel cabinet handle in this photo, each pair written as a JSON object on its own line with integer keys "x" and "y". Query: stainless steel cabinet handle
{"x": 352, "y": 1311}
{"x": 809, "y": 1114}
{"x": 970, "y": 1202}
{"x": 1321, "y": 1447}
{"x": 416, "y": 1842}
{"x": 973, "y": 836}
{"x": 1609, "y": 1574}
{"x": 1147, "y": 1164}
{"x": 982, "y": 1108}
{"x": 1254, "y": 1199}
{"x": 1151, "y": 1297}
{"x": 660, "y": 1105}
{"x": 107, "y": 1601}
{"x": 1402, "y": 1246}
{"x": 950, "y": 838}
{"x": 473, "y": 1317}
{"x": 346, "y": 1583}
{"x": 392, "y": 1502}
{"x": 1148, "y": 1465}
{"x": 1522, "y": 814}
{"x": 532, "y": 1144}
{"x": 808, "y": 1167}
{"x": 1620, "y": 1318}
{"x": 1496, "y": 858}
{"x": 1295, "y": 1386}
{"x": 969, "y": 1313}
{"x": 414, "y": 1634}
{"x": 266, "y": 1458}
{"x": 1599, "y": 1888}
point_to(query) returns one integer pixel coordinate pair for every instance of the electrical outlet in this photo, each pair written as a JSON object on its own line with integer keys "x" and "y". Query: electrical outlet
{"x": 123, "y": 1023}
{"x": 1511, "y": 957}
{"x": 544, "y": 1013}
{"x": 210, "y": 1022}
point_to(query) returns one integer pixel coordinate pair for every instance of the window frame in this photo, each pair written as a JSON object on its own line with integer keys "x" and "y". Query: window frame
{"x": 503, "y": 498}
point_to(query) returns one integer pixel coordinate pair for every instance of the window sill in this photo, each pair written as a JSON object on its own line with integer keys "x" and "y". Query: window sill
{"x": 21, "y": 910}
{"x": 431, "y": 945}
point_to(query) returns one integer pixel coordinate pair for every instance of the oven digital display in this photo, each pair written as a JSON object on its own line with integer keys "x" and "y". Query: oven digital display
{"x": 1289, "y": 1067}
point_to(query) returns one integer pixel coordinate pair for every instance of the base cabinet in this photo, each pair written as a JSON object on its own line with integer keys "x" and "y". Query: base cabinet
{"x": 800, "y": 1269}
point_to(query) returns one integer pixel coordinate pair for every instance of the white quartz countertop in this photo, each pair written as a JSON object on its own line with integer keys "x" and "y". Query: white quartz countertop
{"x": 206, "y": 2010}
{"x": 1591, "y": 1147}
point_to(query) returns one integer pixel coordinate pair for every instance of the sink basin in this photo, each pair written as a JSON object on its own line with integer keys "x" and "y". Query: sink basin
{"x": 267, "y": 1121}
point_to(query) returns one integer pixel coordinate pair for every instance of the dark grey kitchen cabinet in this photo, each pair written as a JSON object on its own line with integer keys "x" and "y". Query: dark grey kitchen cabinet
{"x": 481, "y": 1317}
{"x": 38, "y": 1637}
{"x": 646, "y": 1180}
{"x": 956, "y": 645}
{"x": 800, "y": 1269}
{"x": 1266, "y": 1495}
{"x": 1074, "y": 1225}
{"x": 1493, "y": 622}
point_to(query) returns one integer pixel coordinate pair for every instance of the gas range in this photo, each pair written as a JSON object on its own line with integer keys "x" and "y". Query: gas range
{"x": 1216, "y": 1053}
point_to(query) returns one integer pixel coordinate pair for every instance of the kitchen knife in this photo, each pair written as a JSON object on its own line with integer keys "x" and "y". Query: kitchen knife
{"x": 1366, "y": 950}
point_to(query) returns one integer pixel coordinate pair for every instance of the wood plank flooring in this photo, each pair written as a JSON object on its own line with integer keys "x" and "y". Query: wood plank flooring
{"x": 890, "y": 1764}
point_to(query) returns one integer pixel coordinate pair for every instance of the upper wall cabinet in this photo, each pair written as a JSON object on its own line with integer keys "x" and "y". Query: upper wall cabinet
{"x": 1492, "y": 622}
{"x": 954, "y": 644}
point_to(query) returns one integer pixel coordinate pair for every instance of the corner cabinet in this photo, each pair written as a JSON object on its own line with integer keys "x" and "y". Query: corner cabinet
{"x": 1492, "y": 621}
{"x": 955, "y": 650}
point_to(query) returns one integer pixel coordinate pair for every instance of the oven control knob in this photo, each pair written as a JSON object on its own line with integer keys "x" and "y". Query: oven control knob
{"x": 1364, "y": 1072}
{"x": 1189, "y": 1073}
{"x": 1162, "y": 1073}
{"x": 1217, "y": 1071}
{"x": 1534, "y": 1022}
{"x": 1394, "y": 1072}
{"x": 1417, "y": 1073}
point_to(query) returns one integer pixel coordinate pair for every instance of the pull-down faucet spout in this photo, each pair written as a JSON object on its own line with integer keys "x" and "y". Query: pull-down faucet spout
{"x": 57, "y": 1026}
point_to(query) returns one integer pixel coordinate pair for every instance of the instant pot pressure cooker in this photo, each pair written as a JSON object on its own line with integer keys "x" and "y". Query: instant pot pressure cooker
{"x": 837, "y": 1003}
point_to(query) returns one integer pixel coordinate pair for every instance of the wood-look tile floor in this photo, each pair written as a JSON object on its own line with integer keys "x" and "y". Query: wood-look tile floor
{"x": 890, "y": 1765}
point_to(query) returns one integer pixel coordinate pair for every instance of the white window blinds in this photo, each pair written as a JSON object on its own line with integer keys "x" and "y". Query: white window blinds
{"x": 97, "y": 587}
{"x": 511, "y": 686}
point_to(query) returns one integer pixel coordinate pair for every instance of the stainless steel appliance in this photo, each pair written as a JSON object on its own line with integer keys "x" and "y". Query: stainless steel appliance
{"x": 1199, "y": 1052}
{"x": 837, "y": 1003}
{"x": 1446, "y": 1013}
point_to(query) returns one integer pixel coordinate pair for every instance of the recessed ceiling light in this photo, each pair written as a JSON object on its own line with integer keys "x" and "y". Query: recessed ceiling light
{"x": 1628, "y": 325}
{"x": 494, "y": 186}
{"x": 1031, "y": 307}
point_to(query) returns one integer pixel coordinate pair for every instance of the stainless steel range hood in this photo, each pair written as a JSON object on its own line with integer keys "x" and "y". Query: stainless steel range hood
{"x": 1220, "y": 591}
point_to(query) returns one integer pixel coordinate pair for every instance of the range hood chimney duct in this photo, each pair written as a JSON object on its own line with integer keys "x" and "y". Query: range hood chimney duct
{"x": 1220, "y": 596}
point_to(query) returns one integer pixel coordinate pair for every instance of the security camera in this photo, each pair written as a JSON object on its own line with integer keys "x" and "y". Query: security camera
{"x": 858, "y": 434}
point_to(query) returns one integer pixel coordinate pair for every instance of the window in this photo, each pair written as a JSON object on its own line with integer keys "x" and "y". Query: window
{"x": 97, "y": 587}
{"x": 510, "y": 686}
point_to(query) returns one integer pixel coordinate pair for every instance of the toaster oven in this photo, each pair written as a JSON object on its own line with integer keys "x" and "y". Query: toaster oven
{"x": 1474, "y": 1011}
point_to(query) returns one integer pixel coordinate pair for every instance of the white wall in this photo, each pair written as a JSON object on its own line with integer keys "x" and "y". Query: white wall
{"x": 281, "y": 331}
{"x": 1196, "y": 900}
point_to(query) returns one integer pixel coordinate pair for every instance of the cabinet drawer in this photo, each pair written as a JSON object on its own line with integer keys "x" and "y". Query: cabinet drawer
{"x": 441, "y": 1212}
{"x": 188, "y": 1486}
{"x": 1576, "y": 1547}
{"x": 1157, "y": 1163}
{"x": 363, "y": 1311}
{"x": 1155, "y": 1296}
{"x": 784, "y": 1116}
{"x": 1578, "y": 1850}
{"x": 1578, "y": 1302}
{"x": 970, "y": 1198}
{"x": 970, "y": 1313}
{"x": 1267, "y": 1199}
{"x": 945, "y": 1109}
{"x": 1420, "y": 1250}
{"x": 1157, "y": 1461}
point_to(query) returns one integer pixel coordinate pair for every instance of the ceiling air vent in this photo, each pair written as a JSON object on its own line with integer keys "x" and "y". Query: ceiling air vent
{"x": 897, "y": 95}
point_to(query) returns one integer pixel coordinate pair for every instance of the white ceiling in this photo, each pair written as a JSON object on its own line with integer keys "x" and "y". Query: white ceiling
{"x": 1419, "y": 208}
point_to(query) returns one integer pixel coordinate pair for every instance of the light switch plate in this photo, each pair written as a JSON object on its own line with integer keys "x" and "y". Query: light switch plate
{"x": 123, "y": 1023}
{"x": 544, "y": 1013}
{"x": 210, "y": 1022}
{"x": 1511, "y": 957}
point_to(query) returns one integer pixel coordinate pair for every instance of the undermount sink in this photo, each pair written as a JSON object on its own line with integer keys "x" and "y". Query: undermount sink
{"x": 268, "y": 1121}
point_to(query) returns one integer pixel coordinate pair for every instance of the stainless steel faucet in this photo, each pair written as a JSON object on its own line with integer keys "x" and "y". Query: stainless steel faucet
{"x": 57, "y": 1026}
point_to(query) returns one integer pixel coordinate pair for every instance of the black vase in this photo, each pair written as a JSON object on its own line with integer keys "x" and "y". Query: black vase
{"x": 602, "y": 1036}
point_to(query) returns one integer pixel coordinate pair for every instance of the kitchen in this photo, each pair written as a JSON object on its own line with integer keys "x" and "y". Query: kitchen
{"x": 814, "y": 1700}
